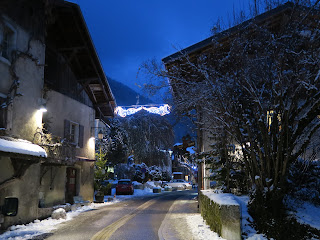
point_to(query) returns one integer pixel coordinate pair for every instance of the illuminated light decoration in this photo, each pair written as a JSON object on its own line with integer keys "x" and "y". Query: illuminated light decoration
{"x": 160, "y": 109}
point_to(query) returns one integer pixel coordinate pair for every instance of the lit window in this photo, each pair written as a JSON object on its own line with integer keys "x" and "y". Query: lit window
{"x": 270, "y": 115}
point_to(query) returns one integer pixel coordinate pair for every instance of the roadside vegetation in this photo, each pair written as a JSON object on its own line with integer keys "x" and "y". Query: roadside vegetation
{"x": 258, "y": 95}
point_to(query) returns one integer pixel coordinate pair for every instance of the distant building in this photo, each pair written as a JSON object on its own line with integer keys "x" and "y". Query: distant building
{"x": 200, "y": 51}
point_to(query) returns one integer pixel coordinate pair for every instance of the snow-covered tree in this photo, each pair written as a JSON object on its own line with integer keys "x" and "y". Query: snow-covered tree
{"x": 149, "y": 135}
{"x": 258, "y": 84}
{"x": 117, "y": 142}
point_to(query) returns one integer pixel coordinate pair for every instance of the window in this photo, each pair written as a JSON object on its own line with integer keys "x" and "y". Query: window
{"x": 73, "y": 132}
{"x": 270, "y": 119}
{"x": 7, "y": 40}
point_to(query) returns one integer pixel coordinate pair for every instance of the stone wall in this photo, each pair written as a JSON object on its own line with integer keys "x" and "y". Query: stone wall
{"x": 221, "y": 213}
{"x": 25, "y": 189}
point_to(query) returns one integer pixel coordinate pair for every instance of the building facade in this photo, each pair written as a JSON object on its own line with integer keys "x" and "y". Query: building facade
{"x": 53, "y": 91}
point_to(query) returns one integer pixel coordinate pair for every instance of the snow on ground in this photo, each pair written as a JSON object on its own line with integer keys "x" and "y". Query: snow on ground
{"x": 308, "y": 213}
{"x": 246, "y": 219}
{"x": 37, "y": 227}
{"x": 200, "y": 230}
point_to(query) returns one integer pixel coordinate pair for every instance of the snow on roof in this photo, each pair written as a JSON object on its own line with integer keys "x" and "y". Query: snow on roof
{"x": 177, "y": 144}
{"x": 20, "y": 146}
{"x": 221, "y": 198}
{"x": 177, "y": 173}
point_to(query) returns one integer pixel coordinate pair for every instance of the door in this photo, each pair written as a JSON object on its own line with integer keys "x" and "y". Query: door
{"x": 71, "y": 187}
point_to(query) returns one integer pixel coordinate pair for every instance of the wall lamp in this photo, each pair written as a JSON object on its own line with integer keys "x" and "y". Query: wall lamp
{"x": 43, "y": 108}
{"x": 100, "y": 134}
{"x": 95, "y": 134}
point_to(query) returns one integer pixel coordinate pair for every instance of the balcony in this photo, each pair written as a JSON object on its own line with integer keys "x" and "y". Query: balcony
{"x": 58, "y": 150}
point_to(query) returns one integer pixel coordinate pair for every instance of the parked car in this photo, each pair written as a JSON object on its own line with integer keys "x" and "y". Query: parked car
{"x": 179, "y": 182}
{"x": 124, "y": 186}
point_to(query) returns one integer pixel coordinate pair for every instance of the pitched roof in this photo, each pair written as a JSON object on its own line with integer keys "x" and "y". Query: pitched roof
{"x": 73, "y": 40}
{"x": 225, "y": 34}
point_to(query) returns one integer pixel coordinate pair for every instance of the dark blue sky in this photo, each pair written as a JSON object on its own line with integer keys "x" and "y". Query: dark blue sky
{"x": 129, "y": 32}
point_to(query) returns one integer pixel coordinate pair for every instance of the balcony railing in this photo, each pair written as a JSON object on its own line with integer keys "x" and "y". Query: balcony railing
{"x": 58, "y": 150}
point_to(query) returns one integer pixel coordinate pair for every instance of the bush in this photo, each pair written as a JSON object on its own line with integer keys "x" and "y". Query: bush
{"x": 107, "y": 189}
{"x": 304, "y": 181}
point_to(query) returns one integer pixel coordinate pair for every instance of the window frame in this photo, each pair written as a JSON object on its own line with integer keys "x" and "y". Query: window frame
{"x": 74, "y": 137}
{"x": 6, "y": 29}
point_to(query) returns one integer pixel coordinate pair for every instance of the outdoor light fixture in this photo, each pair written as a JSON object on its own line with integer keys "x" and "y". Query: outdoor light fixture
{"x": 43, "y": 108}
{"x": 100, "y": 134}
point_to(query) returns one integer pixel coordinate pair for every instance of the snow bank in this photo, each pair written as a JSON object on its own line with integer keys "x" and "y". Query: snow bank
{"x": 221, "y": 198}
{"x": 59, "y": 213}
{"x": 200, "y": 229}
{"x": 21, "y": 146}
{"x": 37, "y": 227}
{"x": 308, "y": 213}
{"x": 246, "y": 219}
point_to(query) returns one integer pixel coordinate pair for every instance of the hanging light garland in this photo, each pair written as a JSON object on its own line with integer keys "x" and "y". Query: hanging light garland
{"x": 156, "y": 109}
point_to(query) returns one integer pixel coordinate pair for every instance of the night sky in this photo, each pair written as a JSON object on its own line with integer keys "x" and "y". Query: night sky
{"x": 129, "y": 32}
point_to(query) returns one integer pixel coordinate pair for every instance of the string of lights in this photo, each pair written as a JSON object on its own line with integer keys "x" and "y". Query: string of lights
{"x": 161, "y": 109}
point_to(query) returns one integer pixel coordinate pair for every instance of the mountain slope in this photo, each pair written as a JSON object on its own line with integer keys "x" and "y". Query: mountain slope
{"x": 126, "y": 96}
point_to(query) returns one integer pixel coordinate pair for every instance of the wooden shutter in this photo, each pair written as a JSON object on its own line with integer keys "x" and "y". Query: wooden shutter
{"x": 67, "y": 129}
{"x": 81, "y": 130}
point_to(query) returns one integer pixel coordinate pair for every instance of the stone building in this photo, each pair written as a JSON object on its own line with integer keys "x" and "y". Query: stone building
{"x": 53, "y": 94}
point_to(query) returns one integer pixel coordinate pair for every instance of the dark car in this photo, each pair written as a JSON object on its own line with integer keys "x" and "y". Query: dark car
{"x": 124, "y": 186}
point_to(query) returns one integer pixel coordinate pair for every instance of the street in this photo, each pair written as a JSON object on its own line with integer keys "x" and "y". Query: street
{"x": 156, "y": 217}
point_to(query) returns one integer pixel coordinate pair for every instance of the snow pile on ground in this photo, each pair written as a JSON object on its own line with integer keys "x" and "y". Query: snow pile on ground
{"x": 37, "y": 227}
{"x": 59, "y": 213}
{"x": 200, "y": 230}
{"x": 137, "y": 192}
{"x": 150, "y": 184}
{"x": 308, "y": 213}
{"x": 249, "y": 231}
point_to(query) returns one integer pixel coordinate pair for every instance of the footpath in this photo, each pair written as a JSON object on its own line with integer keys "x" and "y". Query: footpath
{"x": 175, "y": 226}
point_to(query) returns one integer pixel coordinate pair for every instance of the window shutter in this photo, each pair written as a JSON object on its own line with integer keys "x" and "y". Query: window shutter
{"x": 3, "y": 114}
{"x": 67, "y": 129}
{"x": 81, "y": 131}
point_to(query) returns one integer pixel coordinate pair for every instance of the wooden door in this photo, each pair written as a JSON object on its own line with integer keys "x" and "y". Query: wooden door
{"x": 71, "y": 187}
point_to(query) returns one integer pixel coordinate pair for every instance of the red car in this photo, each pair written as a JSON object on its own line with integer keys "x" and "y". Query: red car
{"x": 124, "y": 186}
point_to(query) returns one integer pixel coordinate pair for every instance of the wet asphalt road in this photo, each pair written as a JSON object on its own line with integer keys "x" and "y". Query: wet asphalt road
{"x": 137, "y": 218}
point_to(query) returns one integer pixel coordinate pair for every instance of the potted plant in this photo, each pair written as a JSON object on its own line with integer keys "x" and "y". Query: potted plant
{"x": 99, "y": 196}
{"x": 100, "y": 175}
